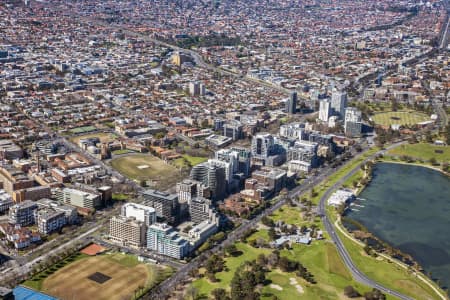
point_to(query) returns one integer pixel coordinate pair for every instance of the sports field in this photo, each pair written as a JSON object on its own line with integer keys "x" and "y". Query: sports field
{"x": 399, "y": 117}
{"x": 83, "y": 129}
{"x": 147, "y": 167}
{"x": 109, "y": 276}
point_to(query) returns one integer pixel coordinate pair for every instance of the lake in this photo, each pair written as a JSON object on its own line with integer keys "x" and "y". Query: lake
{"x": 409, "y": 207}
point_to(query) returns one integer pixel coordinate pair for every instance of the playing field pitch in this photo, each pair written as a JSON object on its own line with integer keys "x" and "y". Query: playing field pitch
{"x": 99, "y": 277}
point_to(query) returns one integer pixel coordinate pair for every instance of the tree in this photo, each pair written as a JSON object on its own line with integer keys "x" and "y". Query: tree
{"x": 394, "y": 105}
{"x": 214, "y": 264}
{"x": 267, "y": 221}
{"x": 231, "y": 249}
{"x": 375, "y": 294}
{"x": 429, "y": 137}
{"x": 350, "y": 292}
{"x": 220, "y": 294}
{"x": 261, "y": 259}
{"x": 447, "y": 134}
{"x": 272, "y": 234}
{"x": 160, "y": 135}
{"x": 433, "y": 161}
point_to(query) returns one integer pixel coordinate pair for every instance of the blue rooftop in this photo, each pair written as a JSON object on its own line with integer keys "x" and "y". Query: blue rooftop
{"x": 23, "y": 293}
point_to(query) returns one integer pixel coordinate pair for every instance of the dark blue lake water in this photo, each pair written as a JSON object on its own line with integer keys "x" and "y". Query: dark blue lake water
{"x": 409, "y": 207}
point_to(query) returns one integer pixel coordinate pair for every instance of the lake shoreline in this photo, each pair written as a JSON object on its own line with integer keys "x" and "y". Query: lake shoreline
{"x": 412, "y": 164}
{"x": 361, "y": 189}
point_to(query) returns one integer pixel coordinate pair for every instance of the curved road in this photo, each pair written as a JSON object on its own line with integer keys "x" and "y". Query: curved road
{"x": 357, "y": 274}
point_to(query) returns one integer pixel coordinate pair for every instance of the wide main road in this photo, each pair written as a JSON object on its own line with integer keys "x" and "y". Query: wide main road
{"x": 356, "y": 273}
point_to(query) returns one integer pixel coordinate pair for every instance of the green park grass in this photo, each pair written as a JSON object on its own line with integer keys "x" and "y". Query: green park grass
{"x": 162, "y": 174}
{"x": 355, "y": 177}
{"x": 293, "y": 216}
{"x": 262, "y": 234}
{"x": 323, "y": 261}
{"x": 289, "y": 215}
{"x": 122, "y": 151}
{"x": 124, "y": 259}
{"x": 406, "y": 117}
{"x": 187, "y": 161}
{"x": 249, "y": 253}
{"x": 422, "y": 151}
{"x": 194, "y": 160}
{"x": 120, "y": 197}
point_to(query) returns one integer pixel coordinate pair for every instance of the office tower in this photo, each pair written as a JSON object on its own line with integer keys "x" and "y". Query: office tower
{"x": 353, "y": 122}
{"x": 293, "y": 131}
{"x": 22, "y": 213}
{"x": 213, "y": 176}
{"x": 166, "y": 241}
{"x": 262, "y": 145}
{"x": 141, "y": 213}
{"x": 324, "y": 110}
{"x": 291, "y": 103}
{"x": 233, "y": 129}
{"x": 339, "y": 103}
{"x": 9, "y": 150}
{"x": 194, "y": 88}
{"x": 5, "y": 201}
{"x": 69, "y": 211}
{"x": 166, "y": 205}
{"x": 202, "y": 89}
{"x": 179, "y": 58}
{"x": 314, "y": 95}
{"x": 244, "y": 160}
{"x": 230, "y": 156}
{"x": 49, "y": 220}
{"x": 127, "y": 231}
{"x": 78, "y": 198}
{"x": 201, "y": 209}
{"x": 186, "y": 190}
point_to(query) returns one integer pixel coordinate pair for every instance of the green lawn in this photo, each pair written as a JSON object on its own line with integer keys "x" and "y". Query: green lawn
{"x": 323, "y": 261}
{"x": 355, "y": 177}
{"x": 194, "y": 160}
{"x": 125, "y": 260}
{"x": 119, "y": 197}
{"x": 260, "y": 234}
{"x": 122, "y": 151}
{"x": 290, "y": 215}
{"x": 422, "y": 151}
{"x": 187, "y": 161}
{"x": 407, "y": 117}
{"x": 232, "y": 263}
